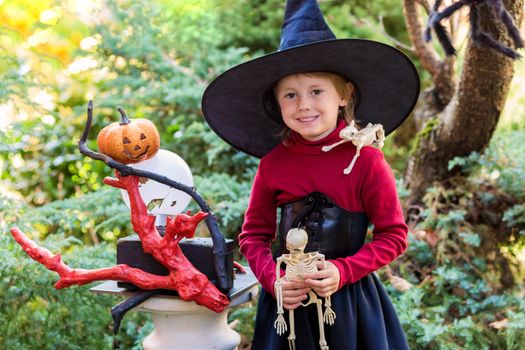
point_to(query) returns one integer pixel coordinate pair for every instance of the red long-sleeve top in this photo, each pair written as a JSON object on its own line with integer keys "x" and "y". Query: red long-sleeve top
{"x": 291, "y": 172}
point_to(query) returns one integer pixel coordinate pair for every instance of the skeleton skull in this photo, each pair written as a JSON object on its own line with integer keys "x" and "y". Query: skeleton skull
{"x": 349, "y": 132}
{"x": 296, "y": 240}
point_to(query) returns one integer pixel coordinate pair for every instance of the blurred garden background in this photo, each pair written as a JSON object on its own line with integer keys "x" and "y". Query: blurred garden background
{"x": 460, "y": 285}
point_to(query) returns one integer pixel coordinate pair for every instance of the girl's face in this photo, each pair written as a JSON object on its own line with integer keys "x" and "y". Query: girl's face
{"x": 309, "y": 104}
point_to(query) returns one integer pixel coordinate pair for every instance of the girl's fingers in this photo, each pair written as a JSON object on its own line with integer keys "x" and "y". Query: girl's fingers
{"x": 325, "y": 271}
{"x": 292, "y": 298}
{"x": 323, "y": 287}
{"x": 294, "y": 285}
{"x": 291, "y": 306}
{"x": 325, "y": 294}
{"x": 325, "y": 290}
{"x": 324, "y": 282}
{"x": 294, "y": 292}
{"x": 317, "y": 275}
{"x": 321, "y": 283}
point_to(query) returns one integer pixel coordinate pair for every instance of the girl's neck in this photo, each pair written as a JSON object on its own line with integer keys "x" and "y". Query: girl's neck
{"x": 301, "y": 145}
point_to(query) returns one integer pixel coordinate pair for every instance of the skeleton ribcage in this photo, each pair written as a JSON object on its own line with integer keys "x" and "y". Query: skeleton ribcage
{"x": 297, "y": 268}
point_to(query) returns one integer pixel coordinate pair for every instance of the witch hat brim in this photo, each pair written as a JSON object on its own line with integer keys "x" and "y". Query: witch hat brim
{"x": 236, "y": 104}
{"x": 386, "y": 80}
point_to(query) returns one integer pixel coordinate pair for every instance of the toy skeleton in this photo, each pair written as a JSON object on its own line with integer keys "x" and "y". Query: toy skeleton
{"x": 298, "y": 263}
{"x": 371, "y": 135}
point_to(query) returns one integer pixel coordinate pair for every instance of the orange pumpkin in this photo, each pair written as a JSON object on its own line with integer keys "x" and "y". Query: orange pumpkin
{"x": 129, "y": 141}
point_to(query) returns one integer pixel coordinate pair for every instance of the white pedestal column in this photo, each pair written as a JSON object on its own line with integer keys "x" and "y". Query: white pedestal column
{"x": 182, "y": 325}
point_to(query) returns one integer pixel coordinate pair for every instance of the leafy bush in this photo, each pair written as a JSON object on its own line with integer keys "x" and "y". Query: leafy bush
{"x": 36, "y": 316}
{"x": 93, "y": 218}
{"x": 452, "y": 305}
{"x": 242, "y": 318}
{"x": 228, "y": 198}
{"x": 463, "y": 260}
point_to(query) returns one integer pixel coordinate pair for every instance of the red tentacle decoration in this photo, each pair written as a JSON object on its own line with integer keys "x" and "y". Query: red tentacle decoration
{"x": 190, "y": 283}
{"x": 69, "y": 276}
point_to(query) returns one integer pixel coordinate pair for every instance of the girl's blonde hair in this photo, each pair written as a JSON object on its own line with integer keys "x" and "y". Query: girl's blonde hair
{"x": 341, "y": 86}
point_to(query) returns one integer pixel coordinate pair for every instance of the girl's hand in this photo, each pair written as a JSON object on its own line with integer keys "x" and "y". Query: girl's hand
{"x": 324, "y": 282}
{"x": 294, "y": 292}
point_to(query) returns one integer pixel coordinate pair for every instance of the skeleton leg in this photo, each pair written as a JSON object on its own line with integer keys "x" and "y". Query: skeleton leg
{"x": 357, "y": 153}
{"x": 329, "y": 147}
{"x": 380, "y": 136}
{"x": 322, "y": 339}
{"x": 291, "y": 337}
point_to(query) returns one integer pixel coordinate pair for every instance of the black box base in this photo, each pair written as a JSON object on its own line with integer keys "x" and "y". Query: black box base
{"x": 199, "y": 251}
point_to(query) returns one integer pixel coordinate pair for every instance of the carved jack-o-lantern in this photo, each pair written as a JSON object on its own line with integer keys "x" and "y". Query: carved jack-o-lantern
{"x": 129, "y": 141}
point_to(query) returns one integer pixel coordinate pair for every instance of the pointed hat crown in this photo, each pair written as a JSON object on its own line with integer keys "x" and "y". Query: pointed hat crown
{"x": 303, "y": 24}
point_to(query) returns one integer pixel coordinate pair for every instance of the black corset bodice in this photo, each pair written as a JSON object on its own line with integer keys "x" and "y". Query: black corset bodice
{"x": 332, "y": 230}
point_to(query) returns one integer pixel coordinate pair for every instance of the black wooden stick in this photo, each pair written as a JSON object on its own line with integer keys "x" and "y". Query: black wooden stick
{"x": 118, "y": 311}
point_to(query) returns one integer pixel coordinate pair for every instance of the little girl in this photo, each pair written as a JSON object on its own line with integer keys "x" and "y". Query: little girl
{"x": 284, "y": 107}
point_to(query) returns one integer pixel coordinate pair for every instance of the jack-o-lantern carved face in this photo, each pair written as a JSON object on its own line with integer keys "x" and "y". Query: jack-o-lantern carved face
{"x": 129, "y": 141}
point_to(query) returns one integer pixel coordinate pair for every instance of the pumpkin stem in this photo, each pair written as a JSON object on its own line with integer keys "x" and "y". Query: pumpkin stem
{"x": 123, "y": 117}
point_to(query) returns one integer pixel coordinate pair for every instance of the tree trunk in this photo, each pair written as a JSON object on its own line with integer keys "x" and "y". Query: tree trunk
{"x": 469, "y": 119}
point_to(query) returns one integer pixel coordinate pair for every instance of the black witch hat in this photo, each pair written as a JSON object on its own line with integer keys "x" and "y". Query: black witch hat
{"x": 236, "y": 106}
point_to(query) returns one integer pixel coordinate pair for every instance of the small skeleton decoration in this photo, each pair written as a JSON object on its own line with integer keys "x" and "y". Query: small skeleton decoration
{"x": 371, "y": 135}
{"x": 298, "y": 263}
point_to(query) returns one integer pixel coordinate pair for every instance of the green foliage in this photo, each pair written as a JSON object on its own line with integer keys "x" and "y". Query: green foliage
{"x": 243, "y": 317}
{"x": 361, "y": 19}
{"x": 463, "y": 257}
{"x": 453, "y": 306}
{"x": 515, "y": 217}
{"x": 502, "y": 162}
{"x": 46, "y": 164}
{"x": 94, "y": 217}
{"x": 228, "y": 199}
{"x": 512, "y": 116}
{"x": 36, "y": 316}
{"x": 12, "y": 83}
{"x": 37, "y": 156}
{"x": 502, "y": 166}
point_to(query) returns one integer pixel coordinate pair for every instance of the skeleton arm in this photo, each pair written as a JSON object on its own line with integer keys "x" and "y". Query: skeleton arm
{"x": 329, "y": 314}
{"x": 348, "y": 169}
{"x": 329, "y": 147}
{"x": 279, "y": 286}
{"x": 280, "y": 323}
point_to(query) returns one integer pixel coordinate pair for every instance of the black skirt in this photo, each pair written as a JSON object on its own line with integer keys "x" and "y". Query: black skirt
{"x": 365, "y": 319}
{"x": 365, "y": 316}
